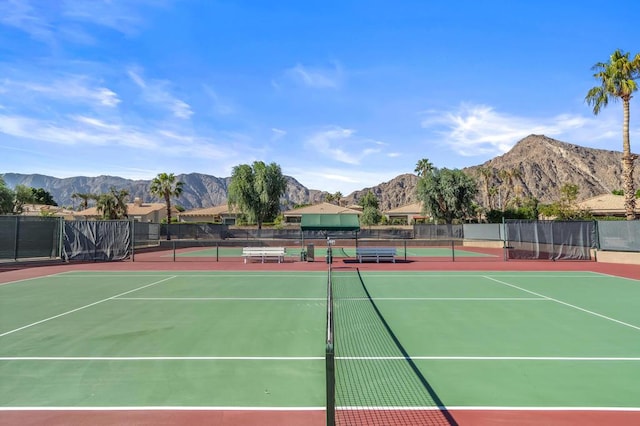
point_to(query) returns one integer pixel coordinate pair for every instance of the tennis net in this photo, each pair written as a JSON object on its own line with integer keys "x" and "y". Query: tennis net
{"x": 374, "y": 381}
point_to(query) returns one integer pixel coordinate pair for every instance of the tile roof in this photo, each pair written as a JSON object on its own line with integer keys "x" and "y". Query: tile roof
{"x": 606, "y": 203}
{"x": 321, "y": 208}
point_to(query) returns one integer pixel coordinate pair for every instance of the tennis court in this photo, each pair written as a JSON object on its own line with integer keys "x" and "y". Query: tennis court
{"x": 203, "y": 250}
{"x": 248, "y": 346}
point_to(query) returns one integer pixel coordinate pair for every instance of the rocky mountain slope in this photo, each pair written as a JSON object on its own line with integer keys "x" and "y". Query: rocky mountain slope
{"x": 543, "y": 164}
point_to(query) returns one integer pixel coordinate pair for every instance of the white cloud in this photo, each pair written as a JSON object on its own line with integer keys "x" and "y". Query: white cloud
{"x": 317, "y": 78}
{"x": 277, "y": 134}
{"x": 22, "y": 15}
{"x": 472, "y": 130}
{"x": 158, "y": 95}
{"x": 71, "y": 89}
{"x": 345, "y": 180}
{"x": 343, "y": 145}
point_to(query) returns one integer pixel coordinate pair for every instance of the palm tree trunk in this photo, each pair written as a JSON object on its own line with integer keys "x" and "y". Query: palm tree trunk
{"x": 628, "y": 160}
{"x": 168, "y": 201}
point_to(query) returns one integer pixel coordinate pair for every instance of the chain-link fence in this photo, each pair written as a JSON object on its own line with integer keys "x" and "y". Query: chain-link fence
{"x": 23, "y": 237}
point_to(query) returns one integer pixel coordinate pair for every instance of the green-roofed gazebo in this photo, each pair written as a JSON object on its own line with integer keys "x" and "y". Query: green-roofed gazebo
{"x": 330, "y": 222}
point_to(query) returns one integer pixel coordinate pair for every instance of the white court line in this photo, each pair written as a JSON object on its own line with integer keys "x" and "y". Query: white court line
{"x": 486, "y": 358}
{"x": 277, "y": 299}
{"x": 33, "y": 278}
{"x": 163, "y": 408}
{"x": 565, "y": 303}
{"x": 322, "y": 408}
{"x": 84, "y": 307}
{"x": 162, "y": 358}
{"x": 483, "y": 408}
{"x": 460, "y": 298}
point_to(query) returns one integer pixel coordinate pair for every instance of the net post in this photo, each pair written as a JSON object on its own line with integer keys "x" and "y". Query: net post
{"x": 173, "y": 243}
{"x": 331, "y": 385}
{"x": 330, "y": 355}
{"x": 453, "y": 252}
{"x": 217, "y": 252}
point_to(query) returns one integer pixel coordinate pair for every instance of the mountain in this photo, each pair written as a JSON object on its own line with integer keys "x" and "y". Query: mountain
{"x": 544, "y": 165}
{"x": 199, "y": 190}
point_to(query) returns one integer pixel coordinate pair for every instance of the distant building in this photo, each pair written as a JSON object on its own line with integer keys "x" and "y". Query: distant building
{"x": 45, "y": 210}
{"x": 606, "y": 205}
{"x": 407, "y": 214}
{"x": 137, "y": 211}
{"x": 216, "y": 214}
{"x": 295, "y": 215}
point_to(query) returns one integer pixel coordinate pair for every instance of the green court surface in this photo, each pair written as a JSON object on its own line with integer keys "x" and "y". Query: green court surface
{"x": 257, "y": 339}
{"x": 338, "y": 252}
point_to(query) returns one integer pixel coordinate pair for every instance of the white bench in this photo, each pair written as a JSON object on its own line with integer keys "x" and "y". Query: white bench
{"x": 376, "y": 253}
{"x": 264, "y": 253}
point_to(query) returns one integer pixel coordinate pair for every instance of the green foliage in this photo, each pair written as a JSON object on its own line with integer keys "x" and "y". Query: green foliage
{"x": 370, "y": 216}
{"x": 423, "y": 167}
{"x": 40, "y": 196}
{"x": 84, "y": 204}
{"x": 113, "y": 204}
{"x": 447, "y": 195}
{"x": 6, "y": 198}
{"x": 619, "y": 192}
{"x": 22, "y": 196}
{"x": 369, "y": 200}
{"x": 165, "y": 186}
{"x": 566, "y": 208}
{"x": 256, "y": 190}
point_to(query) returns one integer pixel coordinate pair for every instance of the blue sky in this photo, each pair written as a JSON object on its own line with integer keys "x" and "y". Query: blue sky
{"x": 343, "y": 95}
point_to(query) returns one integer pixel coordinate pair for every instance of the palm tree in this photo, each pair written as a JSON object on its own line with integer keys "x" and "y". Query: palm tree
{"x": 617, "y": 81}
{"x": 120, "y": 202}
{"x": 486, "y": 173}
{"x": 423, "y": 167}
{"x": 84, "y": 204}
{"x": 507, "y": 176}
{"x": 166, "y": 186}
{"x": 106, "y": 204}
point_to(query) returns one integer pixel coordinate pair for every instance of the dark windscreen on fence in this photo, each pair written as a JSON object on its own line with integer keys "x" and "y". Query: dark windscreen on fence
{"x": 97, "y": 240}
{"x": 27, "y": 237}
{"x": 434, "y": 232}
{"x": 619, "y": 235}
{"x": 550, "y": 240}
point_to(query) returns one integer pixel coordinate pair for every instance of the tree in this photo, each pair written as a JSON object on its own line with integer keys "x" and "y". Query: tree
{"x": 113, "y": 205}
{"x": 507, "y": 176}
{"x": 84, "y": 204}
{"x": 256, "y": 190}
{"x": 22, "y": 196}
{"x": 447, "y": 195}
{"x": 6, "y": 198}
{"x": 486, "y": 174}
{"x": 370, "y": 209}
{"x": 40, "y": 196}
{"x": 165, "y": 186}
{"x": 423, "y": 167}
{"x": 618, "y": 81}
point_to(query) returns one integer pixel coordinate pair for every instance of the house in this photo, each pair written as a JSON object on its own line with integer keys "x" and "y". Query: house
{"x": 42, "y": 210}
{"x": 137, "y": 211}
{"x": 406, "y": 215}
{"x": 216, "y": 214}
{"x": 606, "y": 205}
{"x": 295, "y": 215}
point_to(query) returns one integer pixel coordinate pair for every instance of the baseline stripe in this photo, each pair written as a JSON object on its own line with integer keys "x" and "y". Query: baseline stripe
{"x": 480, "y": 408}
{"x": 162, "y": 408}
{"x": 565, "y": 303}
{"x": 487, "y": 358}
{"x": 161, "y": 358}
{"x": 222, "y": 298}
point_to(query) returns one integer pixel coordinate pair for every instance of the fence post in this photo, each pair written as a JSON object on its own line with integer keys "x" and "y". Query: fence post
{"x": 132, "y": 225}
{"x": 61, "y": 238}
{"x": 17, "y": 235}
